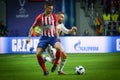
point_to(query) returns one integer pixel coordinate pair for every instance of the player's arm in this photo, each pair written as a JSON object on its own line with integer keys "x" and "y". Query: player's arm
{"x": 31, "y": 29}
{"x": 29, "y": 35}
{"x": 72, "y": 30}
{"x": 68, "y": 31}
{"x": 57, "y": 33}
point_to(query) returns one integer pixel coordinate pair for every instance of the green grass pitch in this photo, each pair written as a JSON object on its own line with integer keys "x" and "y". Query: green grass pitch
{"x": 25, "y": 67}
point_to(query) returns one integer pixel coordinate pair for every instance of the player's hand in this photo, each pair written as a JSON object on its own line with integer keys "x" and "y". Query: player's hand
{"x": 28, "y": 40}
{"x": 74, "y": 29}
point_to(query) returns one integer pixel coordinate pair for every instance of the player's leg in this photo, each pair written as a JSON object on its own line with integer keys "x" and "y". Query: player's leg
{"x": 40, "y": 60}
{"x": 49, "y": 58}
{"x": 51, "y": 52}
{"x": 58, "y": 54}
{"x": 40, "y": 48}
{"x": 62, "y": 63}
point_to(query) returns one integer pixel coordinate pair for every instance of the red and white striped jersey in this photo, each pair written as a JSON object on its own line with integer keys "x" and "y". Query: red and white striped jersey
{"x": 47, "y": 24}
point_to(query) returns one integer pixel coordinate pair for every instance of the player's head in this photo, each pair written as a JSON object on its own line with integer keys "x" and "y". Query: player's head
{"x": 48, "y": 7}
{"x": 61, "y": 17}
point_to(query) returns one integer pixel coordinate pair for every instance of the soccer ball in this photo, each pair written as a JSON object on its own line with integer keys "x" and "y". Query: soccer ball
{"x": 80, "y": 70}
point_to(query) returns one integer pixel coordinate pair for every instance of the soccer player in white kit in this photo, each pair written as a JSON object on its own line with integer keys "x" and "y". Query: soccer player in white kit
{"x": 52, "y": 51}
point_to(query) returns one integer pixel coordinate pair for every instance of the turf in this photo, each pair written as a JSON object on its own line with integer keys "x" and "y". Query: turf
{"x": 25, "y": 67}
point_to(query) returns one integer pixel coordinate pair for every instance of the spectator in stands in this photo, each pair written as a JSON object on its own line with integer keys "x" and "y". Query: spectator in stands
{"x": 115, "y": 22}
{"x": 115, "y": 16}
{"x": 3, "y": 29}
{"x": 106, "y": 17}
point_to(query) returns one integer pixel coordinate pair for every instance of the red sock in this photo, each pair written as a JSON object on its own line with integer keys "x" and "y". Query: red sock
{"x": 57, "y": 57}
{"x": 41, "y": 63}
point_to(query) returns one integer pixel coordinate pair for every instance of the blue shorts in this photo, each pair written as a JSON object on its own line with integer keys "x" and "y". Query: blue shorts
{"x": 45, "y": 40}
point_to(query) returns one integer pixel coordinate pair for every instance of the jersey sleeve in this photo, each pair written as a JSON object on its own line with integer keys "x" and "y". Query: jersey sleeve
{"x": 37, "y": 20}
{"x": 64, "y": 29}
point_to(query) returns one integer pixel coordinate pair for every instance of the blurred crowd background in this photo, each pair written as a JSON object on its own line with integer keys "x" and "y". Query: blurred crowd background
{"x": 91, "y": 17}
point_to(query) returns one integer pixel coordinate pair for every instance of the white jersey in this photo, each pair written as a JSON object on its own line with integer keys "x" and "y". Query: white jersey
{"x": 62, "y": 28}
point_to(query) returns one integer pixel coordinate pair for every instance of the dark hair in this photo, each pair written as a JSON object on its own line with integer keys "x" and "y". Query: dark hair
{"x": 48, "y": 4}
{"x": 60, "y": 12}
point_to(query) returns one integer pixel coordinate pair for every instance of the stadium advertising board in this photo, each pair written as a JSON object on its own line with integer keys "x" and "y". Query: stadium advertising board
{"x": 70, "y": 44}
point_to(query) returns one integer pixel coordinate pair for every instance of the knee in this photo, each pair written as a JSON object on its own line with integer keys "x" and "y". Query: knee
{"x": 57, "y": 49}
{"x": 38, "y": 54}
{"x": 63, "y": 55}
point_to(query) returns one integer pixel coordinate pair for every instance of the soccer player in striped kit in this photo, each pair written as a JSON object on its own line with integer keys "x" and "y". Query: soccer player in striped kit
{"x": 48, "y": 22}
{"x": 51, "y": 50}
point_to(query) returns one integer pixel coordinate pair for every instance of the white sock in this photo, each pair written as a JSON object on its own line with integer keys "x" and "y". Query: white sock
{"x": 62, "y": 63}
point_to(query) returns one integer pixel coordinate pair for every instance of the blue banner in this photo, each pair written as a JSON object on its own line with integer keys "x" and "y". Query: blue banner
{"x": 70, "y": 44}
